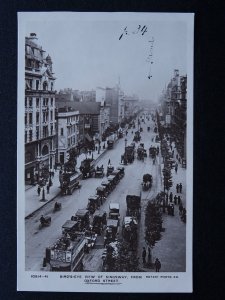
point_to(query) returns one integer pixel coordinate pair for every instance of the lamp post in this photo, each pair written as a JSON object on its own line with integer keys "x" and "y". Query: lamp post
{"x": 125, "y": 157}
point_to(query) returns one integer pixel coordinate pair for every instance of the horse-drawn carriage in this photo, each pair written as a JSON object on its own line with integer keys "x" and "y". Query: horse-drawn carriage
{"x": 57, "y": 206}
{"x": 147, "y": 182}
{"x": 45, "y": 221}
{"x": 141, "y": 153}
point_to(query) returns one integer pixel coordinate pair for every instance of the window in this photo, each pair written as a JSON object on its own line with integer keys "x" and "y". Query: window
{"x": 45, "y": 86}
{"x": 37, "y": 102}
{"x": 37, "y": 132}
{"x": 43, "y": 117}
{"x": 25, "y": 119}
{"x": 46, "y": 101}
{"x": 51, "y": 101}
{"x": 51, "y": 129}
{"x": 30, "y": 102}
{"x": 25, "y": 136}
{"x": 61, "y": 132}
{"x": 37, "y": 84}
{"x": 51, "y": 86}
{"x": 25, "y": 101}
{"x": 30, "y": 135}
{"x": 30, "y": 118}
{"x": 46, "y": 116}
{"x": 30, "y": 81}
{"x": 37, "y": 117}
{"x": 51, "y": 115}
{"x": 68, "y": 140}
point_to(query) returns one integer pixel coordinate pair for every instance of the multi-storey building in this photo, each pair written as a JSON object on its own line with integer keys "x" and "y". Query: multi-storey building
{"x": 67, "y": 132}
{"x": 39, "y": 111}
{"x": 174, "y": 110}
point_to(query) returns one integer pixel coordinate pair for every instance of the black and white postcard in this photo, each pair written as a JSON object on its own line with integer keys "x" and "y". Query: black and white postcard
{"x": 105, "y": 152}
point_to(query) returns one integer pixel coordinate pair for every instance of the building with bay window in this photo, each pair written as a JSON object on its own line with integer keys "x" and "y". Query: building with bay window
{"x": 39, "y": 111}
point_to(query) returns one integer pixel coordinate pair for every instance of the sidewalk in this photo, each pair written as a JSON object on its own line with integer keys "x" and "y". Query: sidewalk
{"x": 171, "y": 248}
{"x": 34, "y": 202}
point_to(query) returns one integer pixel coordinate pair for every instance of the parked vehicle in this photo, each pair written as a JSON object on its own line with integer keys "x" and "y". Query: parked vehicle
{"x": 114, "y": 211}
{"x": 93, "y": 203}
{"x": 108, "y": 186}
{"x": 129, "y": 231}
{"x": 99, "y": 172}
{"x": 101, "y": 191}
{"x": 99, "y": 220}
{"x": 116, "y": 173}
{"x": 87, "y": 168}
{"x": 110, "y": 169}
{"x": 82, "y": 216}
{"x": 113, "y": 181}
{"x": 111, "y": 231}
{"x": 71, "y": 229}
{"x": 133, "y": 200}
{"x": 122, "y": 173}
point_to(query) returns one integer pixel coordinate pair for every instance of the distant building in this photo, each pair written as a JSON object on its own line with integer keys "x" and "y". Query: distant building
{"x": 89, "y": 118}
{"x": 173, "y": 110}
{"x": 67, "y": 132}
{"x": 88, "y": 96}
{"x": 39, "y": 111}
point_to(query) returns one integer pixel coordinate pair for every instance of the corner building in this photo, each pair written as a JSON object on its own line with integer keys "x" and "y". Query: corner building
{"x": 39, "y": 112}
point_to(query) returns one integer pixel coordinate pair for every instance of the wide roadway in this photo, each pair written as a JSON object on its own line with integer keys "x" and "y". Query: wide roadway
{"x": 37, "y": 240}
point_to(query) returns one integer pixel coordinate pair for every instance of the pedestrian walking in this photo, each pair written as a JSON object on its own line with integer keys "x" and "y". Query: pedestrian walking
{"x": 149, "y": 256}
{"x": 96, "y": 148}
{"x": 178, "y": 200}
{"x": 48, "y": 188}
{"x": 180, "y": 186}
{"x": 144, "y": 256}
{"x": 177, "y": 188}
{"x": 171, "y": 197}
{"x": 176, "y": 167}
{"x": 180, "y": 209}
{"x": 175, "y": 199}
{"x": 109, "y": 162}
{"x": 157, "y": 265}
{"x": 39, "y": 190}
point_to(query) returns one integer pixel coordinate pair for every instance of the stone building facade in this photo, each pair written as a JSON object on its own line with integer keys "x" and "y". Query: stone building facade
{"x": 39, "y": 111}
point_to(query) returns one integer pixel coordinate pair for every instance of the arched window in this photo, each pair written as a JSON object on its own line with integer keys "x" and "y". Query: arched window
{"x": 29, "y": 156}
{"x": 45, "y": 86}
{"x": 44, "y": 150}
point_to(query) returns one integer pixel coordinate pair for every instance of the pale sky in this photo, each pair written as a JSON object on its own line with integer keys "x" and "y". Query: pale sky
{"x": 88, "y": 53}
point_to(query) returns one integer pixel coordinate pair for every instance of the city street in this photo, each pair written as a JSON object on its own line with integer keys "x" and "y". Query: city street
{"x": 38, "y": 239}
